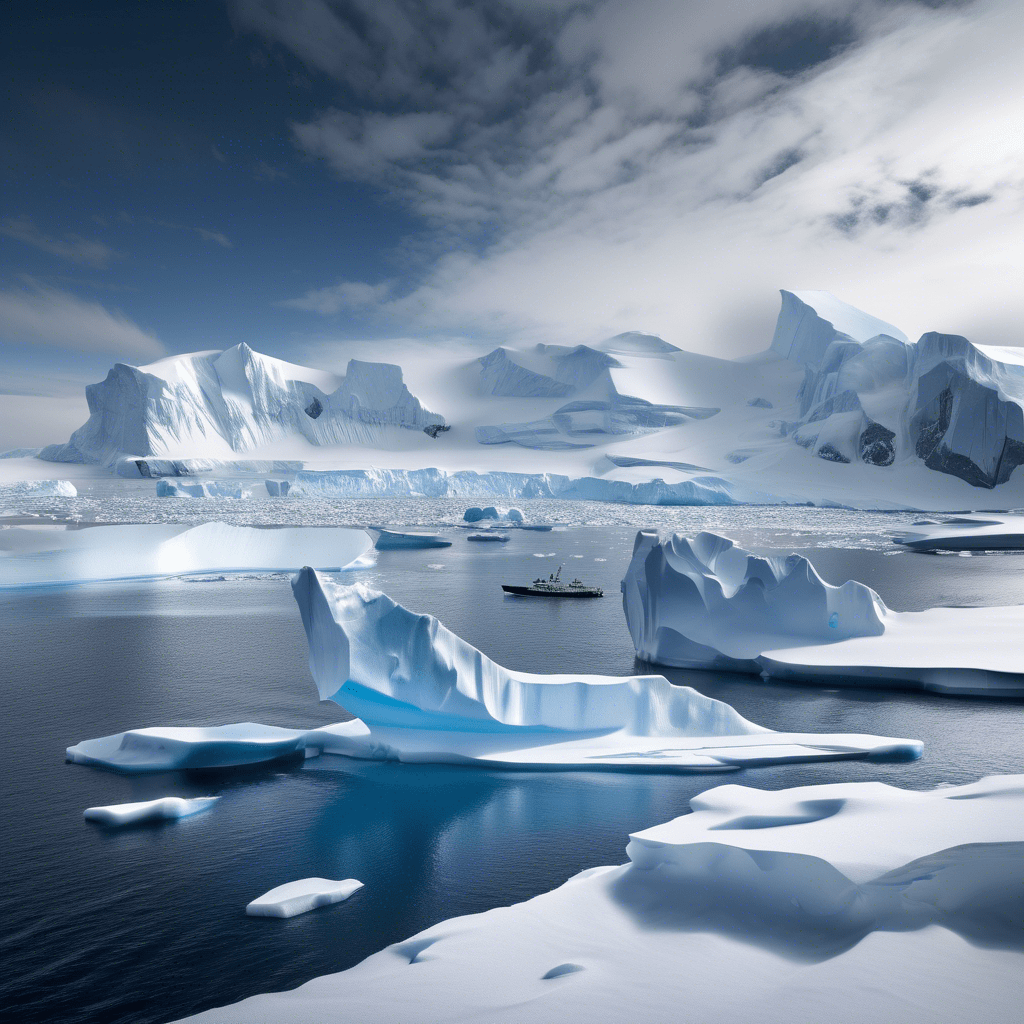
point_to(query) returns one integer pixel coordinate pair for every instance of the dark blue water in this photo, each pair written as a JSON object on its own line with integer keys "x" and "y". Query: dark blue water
{"x": 147, "y": 925}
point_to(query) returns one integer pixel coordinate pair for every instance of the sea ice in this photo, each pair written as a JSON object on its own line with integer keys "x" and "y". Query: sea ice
{"x": 38, "y": 489}
{"x": 424, "y": 694}
{"x": 166, "y": 808}
{"x": 966, "y": 533}
{"x": 850, "y": 902}
{"x": 300, "y": 897}
{"x": 48, "y": 557}
{"x": 392, "y": 539}
{"x": 706, "y": 603}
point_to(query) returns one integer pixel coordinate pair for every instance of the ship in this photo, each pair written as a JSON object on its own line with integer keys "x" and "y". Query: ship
{"x": 554, "y": 586}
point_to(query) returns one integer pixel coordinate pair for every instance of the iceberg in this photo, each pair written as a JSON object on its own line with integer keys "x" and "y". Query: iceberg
{"x": 706, "y": 603}
{"x": 847, "y": 902}
{"x": 38, "y": 489}
{"x": 424, "y": 694}
{"x": 198, "y": 489}
{"x": 489, "y": 535}
{"x": 473, "y": 514}
{"x": 966, "y": 533}
{"x": 277, "y": 488}
{"x": 46, "y": 557}
{"x": 390, "y": 540}
{"x": 300, "y": 897}
{"x": 166, "y": 808}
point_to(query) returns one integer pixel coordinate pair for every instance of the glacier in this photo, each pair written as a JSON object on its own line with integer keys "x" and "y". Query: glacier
{"x": 302, "y": 896}
{"x": 219, "y": 403}
{"x": 165, "y": 808}
{"x": 57, "y": 556}
{"x": 707, "y": 603}
{"x": 424, "y": 694}
{"x": 848, "y": 902}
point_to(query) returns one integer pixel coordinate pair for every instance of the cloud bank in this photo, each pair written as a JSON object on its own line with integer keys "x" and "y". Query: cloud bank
{"x": 663, "y": 165}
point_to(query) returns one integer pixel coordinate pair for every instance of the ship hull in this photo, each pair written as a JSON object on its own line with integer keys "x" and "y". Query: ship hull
{"x": 528, "y": 592}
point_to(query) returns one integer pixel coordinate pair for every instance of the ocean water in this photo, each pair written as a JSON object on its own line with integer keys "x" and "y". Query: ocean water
{"x": 148, "y": 924}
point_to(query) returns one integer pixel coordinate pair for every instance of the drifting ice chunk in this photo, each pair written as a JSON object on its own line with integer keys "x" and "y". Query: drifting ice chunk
{"x": 389, "y": 540}
{"x": 489, "y": 535}
{"x": 167, "y": 808}
{"x": 967, "y": 533}
{"x": 426, "y": 695}
{"x": 38, "y": 489}
{"x": 300, "y": 897}
{"x": 197, "y": 489}
{"x": 48, "y": 557}
{"x": 856, "y": 897}
{"x": 708, "y": 604}
{"x": 176, "y": 749}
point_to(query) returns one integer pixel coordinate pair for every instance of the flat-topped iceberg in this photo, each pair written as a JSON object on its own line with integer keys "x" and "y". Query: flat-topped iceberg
{"x": 706, "y": 603}
{"x": 850, "y": 902}
{"x": 198, "y": 489}
{"x": 165, "y": 808}
{"x": 38, "y": 489}
{"x": 966, "y": 533}
{"x": 389, "y": 540}
{"x": 425, "y": 694}
{"x": 41, "y": 557}
{"x": 302, "y": 896}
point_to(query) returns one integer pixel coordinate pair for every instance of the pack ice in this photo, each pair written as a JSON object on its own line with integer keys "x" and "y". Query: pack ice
{"x": 707, "y": 603}
{"x": 424, "y": 694}
{"x": 850, "y": 902}
{"x": 36, "y": 557}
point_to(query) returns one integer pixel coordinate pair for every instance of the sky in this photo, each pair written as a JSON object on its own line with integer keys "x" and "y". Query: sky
{"x": 298, "y": 174}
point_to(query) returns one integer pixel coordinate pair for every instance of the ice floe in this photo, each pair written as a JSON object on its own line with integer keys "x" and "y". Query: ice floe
{"x": 166, "y": 808}
{"x": 302, "y": 896}
{"x": 706, "y": 603}
{"x": 849, "y": 902}
{"x": 56, "y": 556}
{"x": 984, "y": 532}
{"x": 488, "y": 535}
{"x": 389, "y": 540}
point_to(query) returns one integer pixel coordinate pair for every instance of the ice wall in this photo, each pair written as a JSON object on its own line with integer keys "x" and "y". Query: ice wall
{"x": 706, "y": 603}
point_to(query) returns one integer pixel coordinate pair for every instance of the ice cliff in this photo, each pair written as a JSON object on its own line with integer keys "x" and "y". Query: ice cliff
{"x": 870, "y": 395}
{"x": 218, "y": 404}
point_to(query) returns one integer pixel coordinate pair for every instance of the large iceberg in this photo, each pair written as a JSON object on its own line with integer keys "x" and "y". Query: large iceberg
{"x": 850, "y": 902}
{"x": 38, "y": 489}
{"x": 37, "y": 557}
{"x": 706, "y": 603}
{"x": 217, "y": 404}
{"x": 425, "y": 694}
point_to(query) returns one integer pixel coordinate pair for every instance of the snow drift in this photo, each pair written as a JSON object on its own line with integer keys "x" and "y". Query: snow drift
{"x": 849, "y": 902}
{"x": 706, "y": 603}
{"x": 37, "y": 557}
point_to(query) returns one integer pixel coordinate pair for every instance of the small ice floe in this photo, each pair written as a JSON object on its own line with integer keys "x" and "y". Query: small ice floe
{"x": 487, "y": 535}
{"x": 392, "y": 539}
{"x": 294, "y": 898}
{"x": 165, "y": 808}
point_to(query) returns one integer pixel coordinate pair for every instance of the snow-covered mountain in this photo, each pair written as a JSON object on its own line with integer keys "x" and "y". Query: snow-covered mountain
{"x": 842, "y": 408}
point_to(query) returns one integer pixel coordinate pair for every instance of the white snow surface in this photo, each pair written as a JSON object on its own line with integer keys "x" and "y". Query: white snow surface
{"x": 706, "y": 603}
{"x": 38, "y": 489}
{"x": 851, "y": 903}
{"x": 165, "y": 808}
{"x": 36, "y": 557}
{"x": 966, "y": 533}
{"x": 302, "y": 896}
{"x": 424, "y": 694}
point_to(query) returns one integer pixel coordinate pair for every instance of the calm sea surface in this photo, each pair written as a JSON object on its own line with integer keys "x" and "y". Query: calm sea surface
{"x": 148, "y": 924}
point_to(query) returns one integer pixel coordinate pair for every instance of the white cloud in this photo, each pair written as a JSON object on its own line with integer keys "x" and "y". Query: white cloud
{"x": 643, "y": 165}
{"x": 336, "y": 297}
{"x": 46, "y": 316}
{"x": 71, "y": 247}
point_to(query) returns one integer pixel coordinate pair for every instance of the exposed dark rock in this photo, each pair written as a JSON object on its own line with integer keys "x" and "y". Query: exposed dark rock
{"x": 878, "y": 445}
{"x": 830, "y": 454}
{"x": 314, "y": 409}
{"x": 433, "y": 429}
{"x": 760, "y": 403}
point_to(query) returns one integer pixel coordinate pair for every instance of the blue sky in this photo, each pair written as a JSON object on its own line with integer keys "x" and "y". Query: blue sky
{"x": 295, "y": 173}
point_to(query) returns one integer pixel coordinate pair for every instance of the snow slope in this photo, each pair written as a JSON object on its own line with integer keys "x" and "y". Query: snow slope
{"x": 706, "y": 603}
{"x": 851, "y": 903}
{"x": 54, "y": 556}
